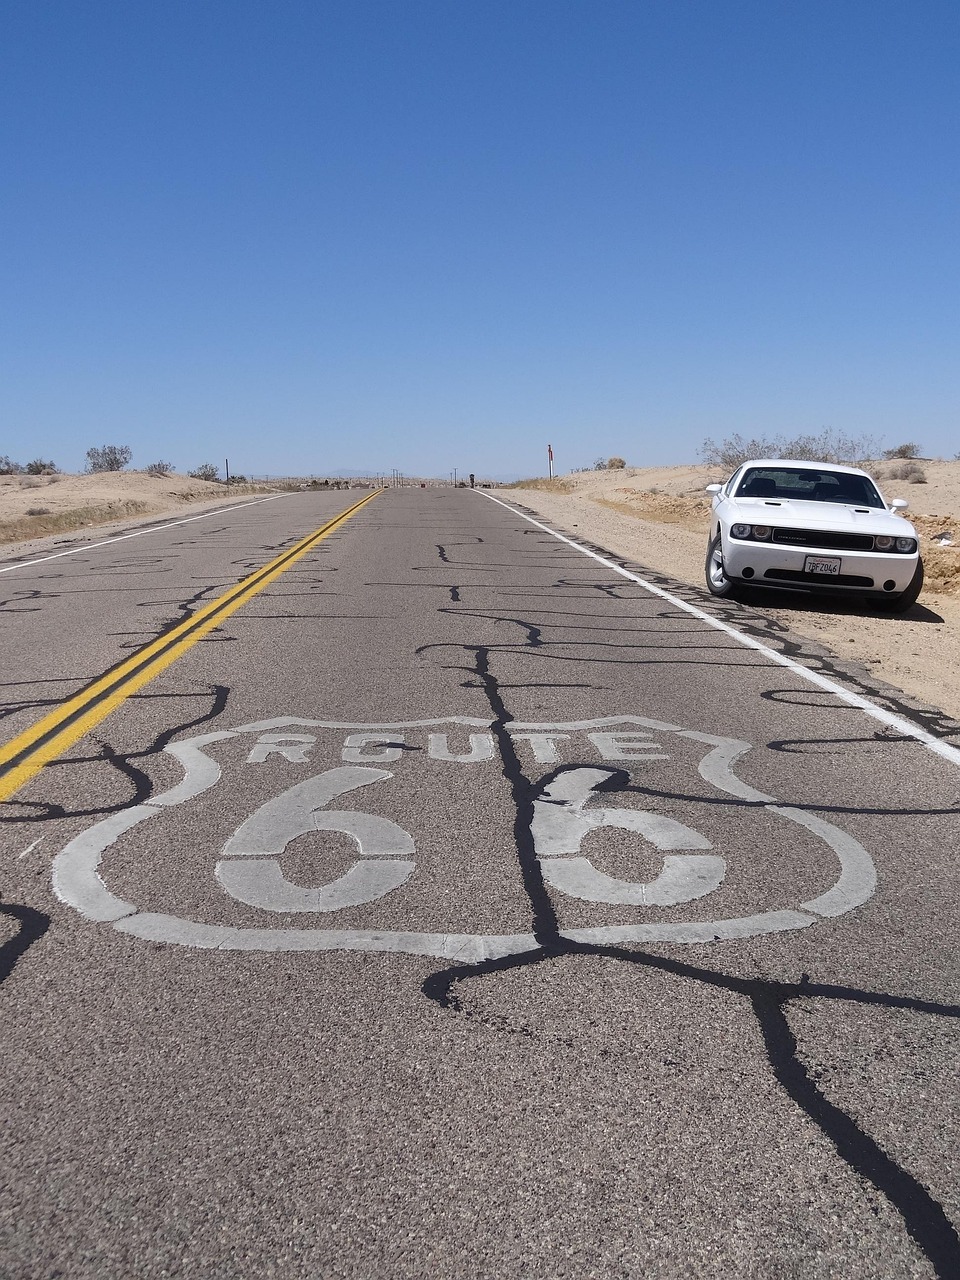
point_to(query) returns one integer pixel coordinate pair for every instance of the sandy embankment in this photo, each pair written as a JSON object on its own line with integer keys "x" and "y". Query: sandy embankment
{"x": 658, "y": 517}
{"x": 33, "y": 507}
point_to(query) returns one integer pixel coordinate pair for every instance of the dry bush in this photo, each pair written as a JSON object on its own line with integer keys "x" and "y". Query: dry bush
{"x": 36, "y": 526}
{"x": 555, "y": 485}
{"x": 158, "y": 469}
{"x": 828, "y": 446}
{"x": 615, "y": 464}
{"x": 902, "y": 451}
{"x": 206, "y": 471}
{"x": 110, "y": 457}
{"x": 911, "y": 472}
{"x": 38, "y": 511}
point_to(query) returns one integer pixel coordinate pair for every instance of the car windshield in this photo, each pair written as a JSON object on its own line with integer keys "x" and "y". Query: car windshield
{"x": 809, "y": 485}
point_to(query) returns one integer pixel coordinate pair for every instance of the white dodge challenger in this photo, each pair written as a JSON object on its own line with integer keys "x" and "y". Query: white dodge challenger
{"x": 811, "y": 526}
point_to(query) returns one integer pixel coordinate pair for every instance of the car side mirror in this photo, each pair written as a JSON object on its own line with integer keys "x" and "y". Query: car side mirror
{"x": 713, "y": 488}
{"x": 899, "y": 504}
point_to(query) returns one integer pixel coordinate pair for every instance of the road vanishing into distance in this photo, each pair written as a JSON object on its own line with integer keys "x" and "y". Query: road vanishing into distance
{"x": 392, "y": 887}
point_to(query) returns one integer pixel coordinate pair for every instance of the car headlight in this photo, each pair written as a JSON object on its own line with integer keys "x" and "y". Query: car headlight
{"x": 906, "y": 544}
{"x": 739, "y": 531}
{"x": 883, "y": 543}
{"x": 761, "y": 531}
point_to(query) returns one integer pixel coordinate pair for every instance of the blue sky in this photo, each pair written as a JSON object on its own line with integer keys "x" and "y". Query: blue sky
{"x": 429, "y": 234}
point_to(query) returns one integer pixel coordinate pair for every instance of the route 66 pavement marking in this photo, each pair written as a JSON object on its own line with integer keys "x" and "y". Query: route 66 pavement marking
{"x": 567, "y": 812}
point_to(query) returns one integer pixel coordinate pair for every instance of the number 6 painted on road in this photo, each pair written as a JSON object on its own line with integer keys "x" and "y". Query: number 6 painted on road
{"x": 560, "y": 823}
{"x": 250, "y": 872}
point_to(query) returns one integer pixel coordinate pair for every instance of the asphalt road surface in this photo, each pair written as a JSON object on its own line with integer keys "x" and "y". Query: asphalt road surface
{"x": 446, "y": 901}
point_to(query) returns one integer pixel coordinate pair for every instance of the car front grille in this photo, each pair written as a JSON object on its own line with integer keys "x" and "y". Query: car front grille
{"x": 820, "y": 579}
{"x": 823, "y": 538}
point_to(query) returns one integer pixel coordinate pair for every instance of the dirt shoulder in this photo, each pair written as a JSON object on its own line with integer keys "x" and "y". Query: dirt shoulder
{"x": 34, "y": 507}
{"x": 658, "y": 517}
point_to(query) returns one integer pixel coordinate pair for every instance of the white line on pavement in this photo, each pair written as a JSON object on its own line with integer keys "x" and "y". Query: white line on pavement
{"x": 904, "y": 727}
{"x": 139, "y": 533}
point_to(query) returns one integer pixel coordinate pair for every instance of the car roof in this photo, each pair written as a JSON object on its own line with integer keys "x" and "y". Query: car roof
{"x": 797, "y": 463}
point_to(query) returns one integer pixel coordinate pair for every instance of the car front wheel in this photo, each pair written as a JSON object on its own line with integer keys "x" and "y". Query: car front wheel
{"x": 718, "y": 584}
{"x": 904, "y": 599}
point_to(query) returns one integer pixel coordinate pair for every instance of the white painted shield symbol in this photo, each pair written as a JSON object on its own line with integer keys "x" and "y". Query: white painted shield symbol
{"x": 568, "y": 810}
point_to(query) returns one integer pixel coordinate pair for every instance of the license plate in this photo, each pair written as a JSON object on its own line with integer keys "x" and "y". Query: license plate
{"x": 827, "y": 565}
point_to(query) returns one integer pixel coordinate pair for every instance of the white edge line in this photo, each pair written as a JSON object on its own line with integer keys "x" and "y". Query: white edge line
{"x": 904, "y": 727}
{"x": 139, "y": 533}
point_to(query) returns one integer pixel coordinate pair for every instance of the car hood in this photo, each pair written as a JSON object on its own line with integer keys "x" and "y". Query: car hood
{"x": 822, "y": 515}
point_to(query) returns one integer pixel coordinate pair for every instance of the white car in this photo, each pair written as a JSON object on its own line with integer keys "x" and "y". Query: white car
{"x": 811, "y": 526}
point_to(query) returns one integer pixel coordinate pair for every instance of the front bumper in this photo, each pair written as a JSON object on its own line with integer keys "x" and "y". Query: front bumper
{"x": 774, "y": 565}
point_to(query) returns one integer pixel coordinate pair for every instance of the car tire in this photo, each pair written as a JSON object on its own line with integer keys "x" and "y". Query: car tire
{"x": 902, "y": 601}
{"x": 718, "y": 584}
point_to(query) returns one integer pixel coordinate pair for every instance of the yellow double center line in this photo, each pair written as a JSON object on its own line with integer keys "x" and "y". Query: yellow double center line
{"x": 27, "y": 754}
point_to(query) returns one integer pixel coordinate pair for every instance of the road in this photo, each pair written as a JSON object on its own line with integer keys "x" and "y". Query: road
{"x": 449, "y": 900}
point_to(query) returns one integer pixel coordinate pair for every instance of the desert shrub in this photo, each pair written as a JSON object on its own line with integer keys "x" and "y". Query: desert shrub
{"x": 903, "y": 451}
{"x": 33, "y": 526}
{"x": 205, "y": 471}
{"x": 38, "y": 511}
{"x": 615, "y": 464}
{"x": 8, "y": 467}
{"x": 908, "y": 471}
{"x": 110, "y": 457}
{"x": 157, "y": 469}
{"x": 41, "y": 467}
{"x": 238, "y": 480}
{"x": 729, "y": 453}
{"x": 599, "y": 464}
{"x": 557, "y": 484}
{"x": 828, "y": 446}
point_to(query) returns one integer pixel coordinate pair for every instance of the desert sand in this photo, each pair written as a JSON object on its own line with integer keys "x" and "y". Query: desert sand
{"x": 38, "y": 506}
{"x": 658, "y": 517}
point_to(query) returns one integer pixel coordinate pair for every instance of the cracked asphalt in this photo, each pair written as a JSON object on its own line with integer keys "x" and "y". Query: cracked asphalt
{"x": 459, "y": 907}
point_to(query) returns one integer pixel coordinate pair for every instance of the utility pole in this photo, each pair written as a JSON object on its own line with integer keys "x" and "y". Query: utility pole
{"x": 550, "y": 460}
